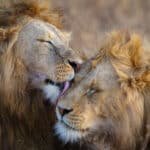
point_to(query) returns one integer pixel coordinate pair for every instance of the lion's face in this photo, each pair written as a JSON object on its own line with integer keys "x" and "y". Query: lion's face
{"x": 81, "y": 111}
{"x": 46, "y": 54}
{"x": 107, "y": 98}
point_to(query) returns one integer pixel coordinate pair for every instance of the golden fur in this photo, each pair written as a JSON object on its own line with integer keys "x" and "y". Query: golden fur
{"x": 27, "y": 50}
{"x": 108, "y": 107}
{"x": 13, "y": 10}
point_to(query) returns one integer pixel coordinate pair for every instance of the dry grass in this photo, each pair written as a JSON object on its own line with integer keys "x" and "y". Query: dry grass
{"x": 89, "y": 20}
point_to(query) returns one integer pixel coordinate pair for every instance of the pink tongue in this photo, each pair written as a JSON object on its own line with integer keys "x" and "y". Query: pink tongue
{"x": 66, "y": 87}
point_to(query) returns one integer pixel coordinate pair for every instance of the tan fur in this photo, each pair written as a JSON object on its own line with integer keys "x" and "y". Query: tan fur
{"x": 25, "y": 123}
{"x": 110, "y": 103}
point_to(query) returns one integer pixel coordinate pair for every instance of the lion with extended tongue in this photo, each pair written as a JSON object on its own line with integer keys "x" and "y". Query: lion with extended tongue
{"x": 108, "y": 108}
{"x": 36, "y": 64}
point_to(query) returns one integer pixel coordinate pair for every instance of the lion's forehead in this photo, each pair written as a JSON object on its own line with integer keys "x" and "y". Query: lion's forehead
{"x": 34, "y": 39}
{"x": 37, "y": 29}
{"x": 103, "y": 76}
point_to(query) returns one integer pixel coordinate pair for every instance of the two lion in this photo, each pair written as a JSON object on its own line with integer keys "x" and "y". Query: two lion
{"x": 36, "y": 66}
{"x": 108, "y": 108}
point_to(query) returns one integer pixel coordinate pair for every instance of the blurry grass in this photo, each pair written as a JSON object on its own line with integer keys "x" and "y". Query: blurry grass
{"x": 89, "y": 20}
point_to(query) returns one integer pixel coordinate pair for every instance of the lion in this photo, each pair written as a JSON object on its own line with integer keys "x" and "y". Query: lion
{"x": 107, "y": 108}
{"x": 37, "y": 66}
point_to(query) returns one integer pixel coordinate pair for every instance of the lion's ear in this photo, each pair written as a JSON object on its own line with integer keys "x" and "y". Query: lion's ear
{"x": 141, "y": 81}
{"x": 146, "y": 77}
{"x": 8, "y": 36}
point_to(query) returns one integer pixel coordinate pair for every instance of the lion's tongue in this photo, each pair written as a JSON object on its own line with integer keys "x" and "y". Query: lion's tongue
{"x": 65, "y": 88}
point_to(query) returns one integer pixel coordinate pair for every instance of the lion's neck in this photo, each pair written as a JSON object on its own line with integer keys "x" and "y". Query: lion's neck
{"x": 26, "y": 105}
{"x": 123, "y": 134}
{"x": 24, "y": 117}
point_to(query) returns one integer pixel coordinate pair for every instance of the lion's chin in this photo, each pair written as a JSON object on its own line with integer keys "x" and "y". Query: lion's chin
{"x": 68, "y": 134}
{"x": 53, "y": 92}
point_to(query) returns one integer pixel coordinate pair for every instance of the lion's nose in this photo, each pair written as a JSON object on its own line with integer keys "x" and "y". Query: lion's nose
{"x": 75, "y": 66}
{"x": 64, "y": 111}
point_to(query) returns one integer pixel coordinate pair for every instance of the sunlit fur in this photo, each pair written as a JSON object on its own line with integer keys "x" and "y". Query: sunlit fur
{"x": 110, "y": 102}
{"x": 32, "y": 48}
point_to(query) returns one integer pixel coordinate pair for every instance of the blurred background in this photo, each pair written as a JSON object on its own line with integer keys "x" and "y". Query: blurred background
{"x": 91, "y": 20}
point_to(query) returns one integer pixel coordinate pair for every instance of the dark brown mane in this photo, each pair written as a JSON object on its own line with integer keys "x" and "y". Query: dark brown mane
{"x": 23, "y": 117}
{"x": 11, "y": 13}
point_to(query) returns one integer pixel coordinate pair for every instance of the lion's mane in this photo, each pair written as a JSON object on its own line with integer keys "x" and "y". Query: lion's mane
{"x": 24, "y": 121}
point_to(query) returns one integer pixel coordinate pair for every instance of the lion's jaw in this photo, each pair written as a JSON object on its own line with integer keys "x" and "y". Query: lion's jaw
{"x": 72, "y": 130}
{"x": 68, "y": 134}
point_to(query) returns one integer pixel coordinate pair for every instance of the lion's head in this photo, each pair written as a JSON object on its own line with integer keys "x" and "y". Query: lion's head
{"x": 106, "y": 104}
{"x": 34, "y": 51}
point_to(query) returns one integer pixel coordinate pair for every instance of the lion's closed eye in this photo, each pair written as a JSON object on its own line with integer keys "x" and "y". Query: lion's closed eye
{"x": 46, "y": 41}
{"x": 92, "y": 90}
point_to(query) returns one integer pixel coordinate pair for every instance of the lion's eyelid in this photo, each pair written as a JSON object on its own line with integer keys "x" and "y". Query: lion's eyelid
{"x": 41, "y": 40}
{"x": 46, "y": 41}
{"x": 49, "y": 42}
{"x": 92, "y": 91}
{"x": 55, "y": 48}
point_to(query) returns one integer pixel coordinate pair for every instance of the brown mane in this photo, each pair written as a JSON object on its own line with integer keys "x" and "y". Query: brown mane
{"x": 14, "y": 10}
{"x": 24, "y": 120}
{"x": 131, "y": 62}
{"x": 129, "y": 58}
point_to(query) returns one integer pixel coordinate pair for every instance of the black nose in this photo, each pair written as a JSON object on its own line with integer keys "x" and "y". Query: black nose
{"x": 64, "y": 111}
{"x": 75, "y": 66}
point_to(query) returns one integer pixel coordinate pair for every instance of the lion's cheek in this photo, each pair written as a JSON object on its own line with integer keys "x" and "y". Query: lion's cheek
{"x": 89, "y": 119}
